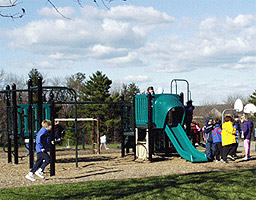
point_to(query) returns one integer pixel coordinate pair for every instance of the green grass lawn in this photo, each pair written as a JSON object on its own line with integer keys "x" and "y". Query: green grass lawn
{"x": 236, "y": 184}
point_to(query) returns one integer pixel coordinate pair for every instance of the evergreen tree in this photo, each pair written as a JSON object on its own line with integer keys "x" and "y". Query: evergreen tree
{"x": 34, "y": 74}
{"x": 97, "y": 87}
{"x": 253, "y": 98}
{"x": 129, "y": 91}
{"x": 77, "y": 82}
{"x": 97, "y": 90}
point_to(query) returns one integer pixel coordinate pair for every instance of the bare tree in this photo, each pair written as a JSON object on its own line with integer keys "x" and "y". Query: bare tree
{"x": 9, "y": 7}
{"x": 230, "y": 99}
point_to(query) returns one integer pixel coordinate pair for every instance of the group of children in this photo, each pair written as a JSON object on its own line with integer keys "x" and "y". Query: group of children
{"x": 222, "y": 140}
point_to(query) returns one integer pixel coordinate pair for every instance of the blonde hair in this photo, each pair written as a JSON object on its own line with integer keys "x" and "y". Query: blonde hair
{"x": 46, "y": 123}
{"x": 244, "y": 118}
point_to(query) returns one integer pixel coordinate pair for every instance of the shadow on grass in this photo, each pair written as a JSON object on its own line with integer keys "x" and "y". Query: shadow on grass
{"x": 235, "y": 184}
{"x": 194, "y": 186}
{"x": 203, "y": 185}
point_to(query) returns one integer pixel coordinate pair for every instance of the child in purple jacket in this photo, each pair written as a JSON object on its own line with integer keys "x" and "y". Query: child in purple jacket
{"x": 247, "y": 128}
{"x": 216, "y": 139}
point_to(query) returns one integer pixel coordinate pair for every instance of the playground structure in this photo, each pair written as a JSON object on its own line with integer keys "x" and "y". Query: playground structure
{"x": 24, "y": 120}
{"x": 150, "y": 124}
{"x": 159, "y": 119}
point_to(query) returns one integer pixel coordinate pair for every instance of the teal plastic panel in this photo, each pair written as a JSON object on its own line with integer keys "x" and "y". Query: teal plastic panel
{"x": 163, "y": 103}
{"x": 141, "y": 109}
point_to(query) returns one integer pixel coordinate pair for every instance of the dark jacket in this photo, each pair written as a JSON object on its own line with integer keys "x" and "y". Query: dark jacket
{"x": 247, "y": 129}
{"x": 208, "y": 131}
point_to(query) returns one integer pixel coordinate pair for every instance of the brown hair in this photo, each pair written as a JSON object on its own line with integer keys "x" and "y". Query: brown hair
{"x": 227, "y": 118}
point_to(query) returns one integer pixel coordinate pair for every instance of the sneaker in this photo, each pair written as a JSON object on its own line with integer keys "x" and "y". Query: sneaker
{"x": 30, "y": 176}
{"x": 107, "y": 148}
{"x": 39, "y": 173}
{"x": 224, "y": 161}
{"x": 245, "y": 158}
{"x": 217, "y": 161}
{"x": 230, "y": 157}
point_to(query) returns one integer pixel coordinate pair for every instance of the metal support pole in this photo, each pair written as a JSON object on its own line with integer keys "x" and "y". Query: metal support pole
{"x": 76, "y": 129}
{"x": 39, "y": 103}
{"x": 98, "y": 135}
{"x": 92, "y": 137}
{"x": 8, "y": 103}
{"x": 30, "y": 124}
{"x": 52, "y": 137}
{"x": 122, "y": 128}
{"x": 150, "y": 134}
{"x": 15, "y": 124}
{"x": 135, "y": 139}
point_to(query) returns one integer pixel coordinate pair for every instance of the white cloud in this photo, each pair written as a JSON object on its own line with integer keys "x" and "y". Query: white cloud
{"x": 129, "y": 36}
{"x": 226, "y": 43}
{"x": 68, "y": 12}
{"x": 114, "y": 35}
{"x": 141, "y": 15}
{"x": 132, "y": 59}
{"x": 136, "y": 79}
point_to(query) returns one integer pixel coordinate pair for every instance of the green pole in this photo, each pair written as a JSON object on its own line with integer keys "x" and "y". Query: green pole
{"x": 76, "y": 130}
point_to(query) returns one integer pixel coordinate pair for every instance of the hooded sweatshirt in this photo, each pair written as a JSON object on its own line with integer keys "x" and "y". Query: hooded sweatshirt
{"x": 247, "y": 129}
{"x": 42, "y": 140}
{"x": 216, "y": 134}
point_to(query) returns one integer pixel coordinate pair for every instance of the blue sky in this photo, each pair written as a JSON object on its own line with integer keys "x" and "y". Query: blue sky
{"x": 212, "y": 44}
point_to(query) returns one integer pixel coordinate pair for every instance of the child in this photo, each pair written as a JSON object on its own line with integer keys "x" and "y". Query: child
{"x": 209, "y": 126}
{"x": 195, "y": 129}
{"x": 150, "y": 90}
{"x": 237, "y": 126}
{"x": 228, "y": 138}
{"x": 247, "y": 130}
{"x": 216, "y": 139}
{"x": 42, "y": 146}
{"x": 103, "y": 140}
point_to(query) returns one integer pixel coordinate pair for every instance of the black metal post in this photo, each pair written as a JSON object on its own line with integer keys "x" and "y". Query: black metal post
{"x": 15, "y": 124}
{"x": 52, "y": 137}
{"x": 182, "y": 98}
{"x": 30, "y": 124}
{"x": 8, "y": 104}
{"x": 39, "y": 103}
{"x": 122, "y": 128}
{"x": 134, "y": 121}
{"x": 150, "y": 139}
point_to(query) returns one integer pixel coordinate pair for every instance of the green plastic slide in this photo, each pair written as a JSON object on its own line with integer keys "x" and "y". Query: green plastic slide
{"x": 183, "y": 145}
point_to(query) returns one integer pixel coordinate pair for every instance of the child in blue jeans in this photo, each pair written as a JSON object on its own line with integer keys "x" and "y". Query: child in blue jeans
{"x": 209, "y": 148}
{"x": 216, "y": 139}
{"x": 42, "y": 147}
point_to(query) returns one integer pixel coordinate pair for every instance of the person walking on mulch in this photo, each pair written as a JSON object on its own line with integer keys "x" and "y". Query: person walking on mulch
{"x": 42, "y": 147}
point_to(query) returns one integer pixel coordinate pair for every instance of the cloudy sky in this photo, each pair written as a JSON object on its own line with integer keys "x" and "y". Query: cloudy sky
{"x": 210, "y": 43}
